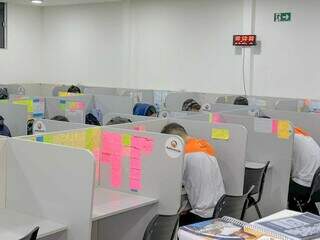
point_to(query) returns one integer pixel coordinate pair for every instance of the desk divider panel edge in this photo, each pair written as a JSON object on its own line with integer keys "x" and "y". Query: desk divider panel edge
{"x": 15, "y": 117}
{"x": 42, "y": 181}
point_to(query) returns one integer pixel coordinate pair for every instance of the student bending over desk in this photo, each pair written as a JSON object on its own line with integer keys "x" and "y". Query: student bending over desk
{"x": 306, "y": 161}
{"x": 201, "y": 178}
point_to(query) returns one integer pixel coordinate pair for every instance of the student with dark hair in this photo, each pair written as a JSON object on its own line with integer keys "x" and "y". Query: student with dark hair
{"x": 145, "y": 109}
{"x": 74, "y": 89}
{"x": 4, "y": 95}
{"x": 30, "y": 123}
{"x": 92, "y": 120}
{"x": 118, "y": 120}
{"x": 4, "y": 130}
{"x": 190, "y": 105}
{"x": 202, "y": 178}
{"x": 241, "y": 101}
{"x": 60, "y": 118}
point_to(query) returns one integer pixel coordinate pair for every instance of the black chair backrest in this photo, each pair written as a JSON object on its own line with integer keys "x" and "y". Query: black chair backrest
{"x": 32, "y": 235}
{"x": 255, "y": 177}
{"x": 232, "y": 206}
{"x": 315, "y": 187}
{"x": 162, "y": 228}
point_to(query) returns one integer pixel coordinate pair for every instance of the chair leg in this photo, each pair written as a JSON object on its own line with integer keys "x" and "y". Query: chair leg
{"x": 258, "y": 210}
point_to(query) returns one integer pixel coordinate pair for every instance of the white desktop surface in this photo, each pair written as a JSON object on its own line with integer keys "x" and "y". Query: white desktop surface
{"x": 183, "y": 235}
{"x": 15, "y": 225}
{"x": 107, "y": 203}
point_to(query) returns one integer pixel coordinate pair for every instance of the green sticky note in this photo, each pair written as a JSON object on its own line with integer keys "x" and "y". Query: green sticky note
{"x": 48, "y": 138}
{"x": 126, "y": 139}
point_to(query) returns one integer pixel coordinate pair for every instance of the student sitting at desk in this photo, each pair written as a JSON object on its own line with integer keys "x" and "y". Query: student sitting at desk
{"x": 305, "y": 162}
{"x": 190, "y": 105}
{"x": 60, "y": 118}
{"x": 240, "y": 100}
{"x": 4, "y": 130}
{"x": 201, "y": 178}
{"x": 145, "y": 109}
{"x": 118, "y": 120}
{"x": 74, "y": 89}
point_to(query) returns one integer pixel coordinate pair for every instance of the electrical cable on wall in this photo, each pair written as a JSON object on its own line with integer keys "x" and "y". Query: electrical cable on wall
{"x": 243, "y": 71}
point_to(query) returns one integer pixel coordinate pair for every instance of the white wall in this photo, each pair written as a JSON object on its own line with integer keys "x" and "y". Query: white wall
{"x": 84, "y": 44}
{"x": 21, "y": 61}
{"x": 169, "y": 44}
{"x": 288, "y": 64}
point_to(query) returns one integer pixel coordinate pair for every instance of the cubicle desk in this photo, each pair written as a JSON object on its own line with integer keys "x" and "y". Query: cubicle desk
{"x": 15, "y": 225}
{"x": 113, "y": 210}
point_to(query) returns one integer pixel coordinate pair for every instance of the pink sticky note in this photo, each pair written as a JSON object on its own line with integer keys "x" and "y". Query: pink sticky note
{"x": 135, "y": 173}
{"x": 216, "y": 118}
{"x": 135, "y": 153}
{"x": 81, "y": 106}
{"x": 116, "y": 179}
{"x": 135, "y": 163}
{"x": 126, "y": 151}
{"x": 147, "y": 145}
{"x": 275, "y": 126}
{"x": 139, "y": 128}
{"x": 105, "y": 158}
{"x": 135, "y": 184}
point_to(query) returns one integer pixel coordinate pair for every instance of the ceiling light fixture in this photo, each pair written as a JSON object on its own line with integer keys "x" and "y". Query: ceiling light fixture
{"x": 37, "y": 1}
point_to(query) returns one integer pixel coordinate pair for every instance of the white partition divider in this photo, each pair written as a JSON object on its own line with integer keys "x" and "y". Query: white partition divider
{"x": 134, "y": 118}
{"x": 74, "y": 108}
{"x": 115, "y": 104}
{"x": 51, "y": 182}
{"x": 174, "y": 100}
{"x": 100, "y": 90}
{"x": 47, "y": 125}
{"x": 287, "y": 105}
{"x": 15, "y": 89}
{"x": 307, "y": 121}
{"x": 220, "y": 107}
{"x": 159, "y": 174}
{"x": 263, "y": 147}
{"x": 3, "y": 171}
{"x": 38, "y": 89}
{"x": 231, "y": 152}
{"x": 15, "y": 117}
{"x": 63, "y": 88}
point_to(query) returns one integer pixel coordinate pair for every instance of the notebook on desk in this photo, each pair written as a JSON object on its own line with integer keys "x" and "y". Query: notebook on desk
{"x": 304, "y": 226}
{"x": 224, "y": 228}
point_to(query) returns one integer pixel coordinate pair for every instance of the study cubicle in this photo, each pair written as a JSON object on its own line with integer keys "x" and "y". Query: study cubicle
{"x": 228, "y": 139}
{"x": 47, "y": 186}
{"x": 46, "y": 125}
{"x": 15, "y": 118}
{"x": 130, "y": 183}
{"x": 139, "y": 95}
{"x": 133, "y": 118}
{"x": 268, "y": 140}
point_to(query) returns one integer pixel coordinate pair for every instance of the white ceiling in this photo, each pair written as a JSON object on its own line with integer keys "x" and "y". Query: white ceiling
{"x": 60, "y": 2}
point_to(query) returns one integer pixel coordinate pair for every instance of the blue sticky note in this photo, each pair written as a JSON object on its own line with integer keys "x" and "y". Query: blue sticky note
{"x": 39, "y": 138}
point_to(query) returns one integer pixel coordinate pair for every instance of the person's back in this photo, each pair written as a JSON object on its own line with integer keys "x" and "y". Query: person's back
{"x": 202, "y": 177}
{"x": 306, "y": 159}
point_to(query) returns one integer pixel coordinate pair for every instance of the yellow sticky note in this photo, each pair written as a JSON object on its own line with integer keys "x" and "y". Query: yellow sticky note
{"x": 284, "y": 129}
{"x": 26, "y": 102}
{"x": 220, "y": 134}
{"x": 93, "y": 138}
{"x": 63, "y": 94}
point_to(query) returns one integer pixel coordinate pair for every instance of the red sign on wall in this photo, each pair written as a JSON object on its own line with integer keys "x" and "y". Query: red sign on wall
{"x": 244, "y": 40}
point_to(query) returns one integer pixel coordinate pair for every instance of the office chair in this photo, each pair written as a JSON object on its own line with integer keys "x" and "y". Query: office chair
{"x": 255, "y": 177}
{"x": 232, "y": 206}
{"x": 162, "y": 228}
{"x": 314, "y": 197}
{"x": 32, "y": 235}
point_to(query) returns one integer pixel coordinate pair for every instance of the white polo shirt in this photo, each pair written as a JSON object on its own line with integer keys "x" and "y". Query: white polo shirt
{"x": 203, "y": 183}
{"x": 306, "y": 160}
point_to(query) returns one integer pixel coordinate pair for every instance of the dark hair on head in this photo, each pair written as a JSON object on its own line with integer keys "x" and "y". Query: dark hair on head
{"x": 174, "y": 129}
{"x": 190, "y": 105}
{"x": 92, "y": 120}
{"x": 60, "y": 118}
{"x": 118, "y": 120}
{"x": 74, "y": 89}
{"x": 151, "y": 110}
{"x": 264, "y": 116}
{"x": 241, "y": 101}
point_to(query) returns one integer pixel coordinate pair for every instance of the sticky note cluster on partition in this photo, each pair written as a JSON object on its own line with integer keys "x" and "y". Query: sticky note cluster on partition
{"x": 115, "y": 146}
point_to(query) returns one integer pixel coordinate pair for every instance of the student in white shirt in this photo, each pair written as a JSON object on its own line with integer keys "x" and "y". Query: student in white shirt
{"x": 305, "y": 162}
{"x": 201, "y": 178}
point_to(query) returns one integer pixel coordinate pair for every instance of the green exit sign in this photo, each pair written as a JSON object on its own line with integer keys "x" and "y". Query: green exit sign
{"x": 282, "y": 17}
